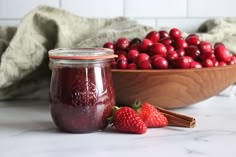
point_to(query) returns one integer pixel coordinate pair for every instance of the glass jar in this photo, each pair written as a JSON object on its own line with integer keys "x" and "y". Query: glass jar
{"x": 81, "y": 89}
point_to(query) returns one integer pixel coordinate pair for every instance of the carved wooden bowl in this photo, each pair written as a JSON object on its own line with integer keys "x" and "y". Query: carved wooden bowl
{"x": 172, "y": 88}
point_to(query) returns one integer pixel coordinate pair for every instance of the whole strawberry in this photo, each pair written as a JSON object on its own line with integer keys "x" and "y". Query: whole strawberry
{"x": 151, "y": 116}
{"x": 127, "y": 120}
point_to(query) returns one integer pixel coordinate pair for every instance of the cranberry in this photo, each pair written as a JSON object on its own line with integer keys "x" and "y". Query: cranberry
{"x": 206, "y": 50}
{"x": 121, "y": 52}
{"x": 122, "y": 57}
{"x": 141, "y": 57}
{"x": 171, "y": 56}
{"x": 145, "y": 65}
{"x": 190, "y": 59}
{"x": 158, "y": 48}
{"x": 215, "y": 62}
{"x": 154, "y": 36}
{"x": 181, "y": 52}
{"x": 221, "y": 63}
{"x": 109, "y": 45}
{"x": 166, "y": 41}
{"x": 145, "y": 44}
{"x": 192, "y": 39}
{"x": 175, "y": 33}
{"x": 183, "y": 62}
{"x": 135, "y": 47}
{"x": 208, "y": 63}
{"x": 122, "y": 44}
{"x": 159, "y": 62}
{"x": 232, "y": 60}
{"x": 114, "y": 65}
{"x": 218, "y": 44}
{"x": 170, "y": 48}
{"x": 122, "y": 64}
{"x": 135, "y": 41}
{"x": 132, "y": 66}
{"x": 193, "y": 51}
{"x": 132, "y": 54}
{"x": 180, "y": 43}
{"x": 222, "y": 53}
{"x": 195, "y": 64}
{"x": 163, "y": 34}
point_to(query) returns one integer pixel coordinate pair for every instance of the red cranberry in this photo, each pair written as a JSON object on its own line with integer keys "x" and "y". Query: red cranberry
{"x": 159, "y": 62}
{"x": 222, "y": 53}
{"x": 183, "y": 62}
{"x": 166, "y": 41}
{"x": 154, "y": 36}
{"x": 145, "y": 44}
{"x": 175, "y": 33}
{"x": 206, "y": 50}
{"x": 109, "y": 45}
{"x": 122, "y": 57}
{"x": 121, "y": 52}
{"x": 158, "y": 48}
{"x": 215, "y": 62}
{"x": 114, "y": 65}
{"x": 122, "y": 64}
{"x": 132, "y": 54}
{"x": 135, "y": 47}
{"x": 195, "y": 64}
{"x": 171, "y": 56}
{"x": 192, "y": 39}
{"x": 122, "y": 44}
{"x": 170, "y": 48}
{"x": 218, "y": 44}
{"x": 135, "y": 41}
{"x": 180, "y": 43}
{"x": 145, "y": 65}
{"x": 132, "y": 66}
{"x": 208, "y": 63}
{"x": 221, "y": 63}
{"x": 181, "y": 52}
{"x": 141, "y": 57}
{"x": 163, "y": 34}
{"x": 232, "y": 60}
{"x": 190, "y": 59}
{"x": 193, "y": 51}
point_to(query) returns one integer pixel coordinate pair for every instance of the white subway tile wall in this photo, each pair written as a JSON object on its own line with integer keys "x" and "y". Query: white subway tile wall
{"x": 15, "y": 9}
{"x": 94, "y": 8}
{"x": 184, "y": 14}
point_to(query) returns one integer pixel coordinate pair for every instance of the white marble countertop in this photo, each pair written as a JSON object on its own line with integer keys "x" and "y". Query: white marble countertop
{"x": 26, "y": 130}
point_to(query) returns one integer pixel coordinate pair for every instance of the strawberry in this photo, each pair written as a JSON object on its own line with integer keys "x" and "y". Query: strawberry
{"x": 126, "y": 119}
{"x": 151, "y": 116}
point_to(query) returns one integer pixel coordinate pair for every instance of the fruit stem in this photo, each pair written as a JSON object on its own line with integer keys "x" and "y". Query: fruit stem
{"x": 137, "y": 105}
{"x": 111, "y": 118}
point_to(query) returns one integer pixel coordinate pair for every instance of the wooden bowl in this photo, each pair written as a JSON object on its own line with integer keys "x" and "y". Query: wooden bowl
{"x": 172, "y": 88}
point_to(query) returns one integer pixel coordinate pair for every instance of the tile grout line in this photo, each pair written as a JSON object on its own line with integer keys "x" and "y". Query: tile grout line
{"x": 10, "y": 19}
{"x": 187, "y": 8}
{"x": 124, "y": 8}
{"x": 60, "y": 3}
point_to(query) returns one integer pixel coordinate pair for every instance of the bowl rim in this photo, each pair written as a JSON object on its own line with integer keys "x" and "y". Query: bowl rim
{"x": 174, "y": 70}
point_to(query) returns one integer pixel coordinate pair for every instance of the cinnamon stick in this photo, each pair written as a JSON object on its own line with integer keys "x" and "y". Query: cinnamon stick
{"x": 176, "y": 119}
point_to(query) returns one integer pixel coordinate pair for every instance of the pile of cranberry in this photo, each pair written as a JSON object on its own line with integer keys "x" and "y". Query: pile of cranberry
{"x": 169, "y": 50}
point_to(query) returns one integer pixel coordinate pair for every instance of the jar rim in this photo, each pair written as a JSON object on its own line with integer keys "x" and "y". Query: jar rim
{"x": 81, "y": 53}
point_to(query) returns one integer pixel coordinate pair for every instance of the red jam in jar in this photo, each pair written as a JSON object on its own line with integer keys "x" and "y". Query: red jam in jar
{"x": 81, "y": 89}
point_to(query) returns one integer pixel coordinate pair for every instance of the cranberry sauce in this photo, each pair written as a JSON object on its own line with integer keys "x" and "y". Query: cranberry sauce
{"x": 81, "y": 96}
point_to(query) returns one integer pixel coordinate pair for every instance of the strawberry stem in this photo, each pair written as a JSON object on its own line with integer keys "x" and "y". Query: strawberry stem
{"x": 137, "y": 105}
{"x": 111, "y": 118}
